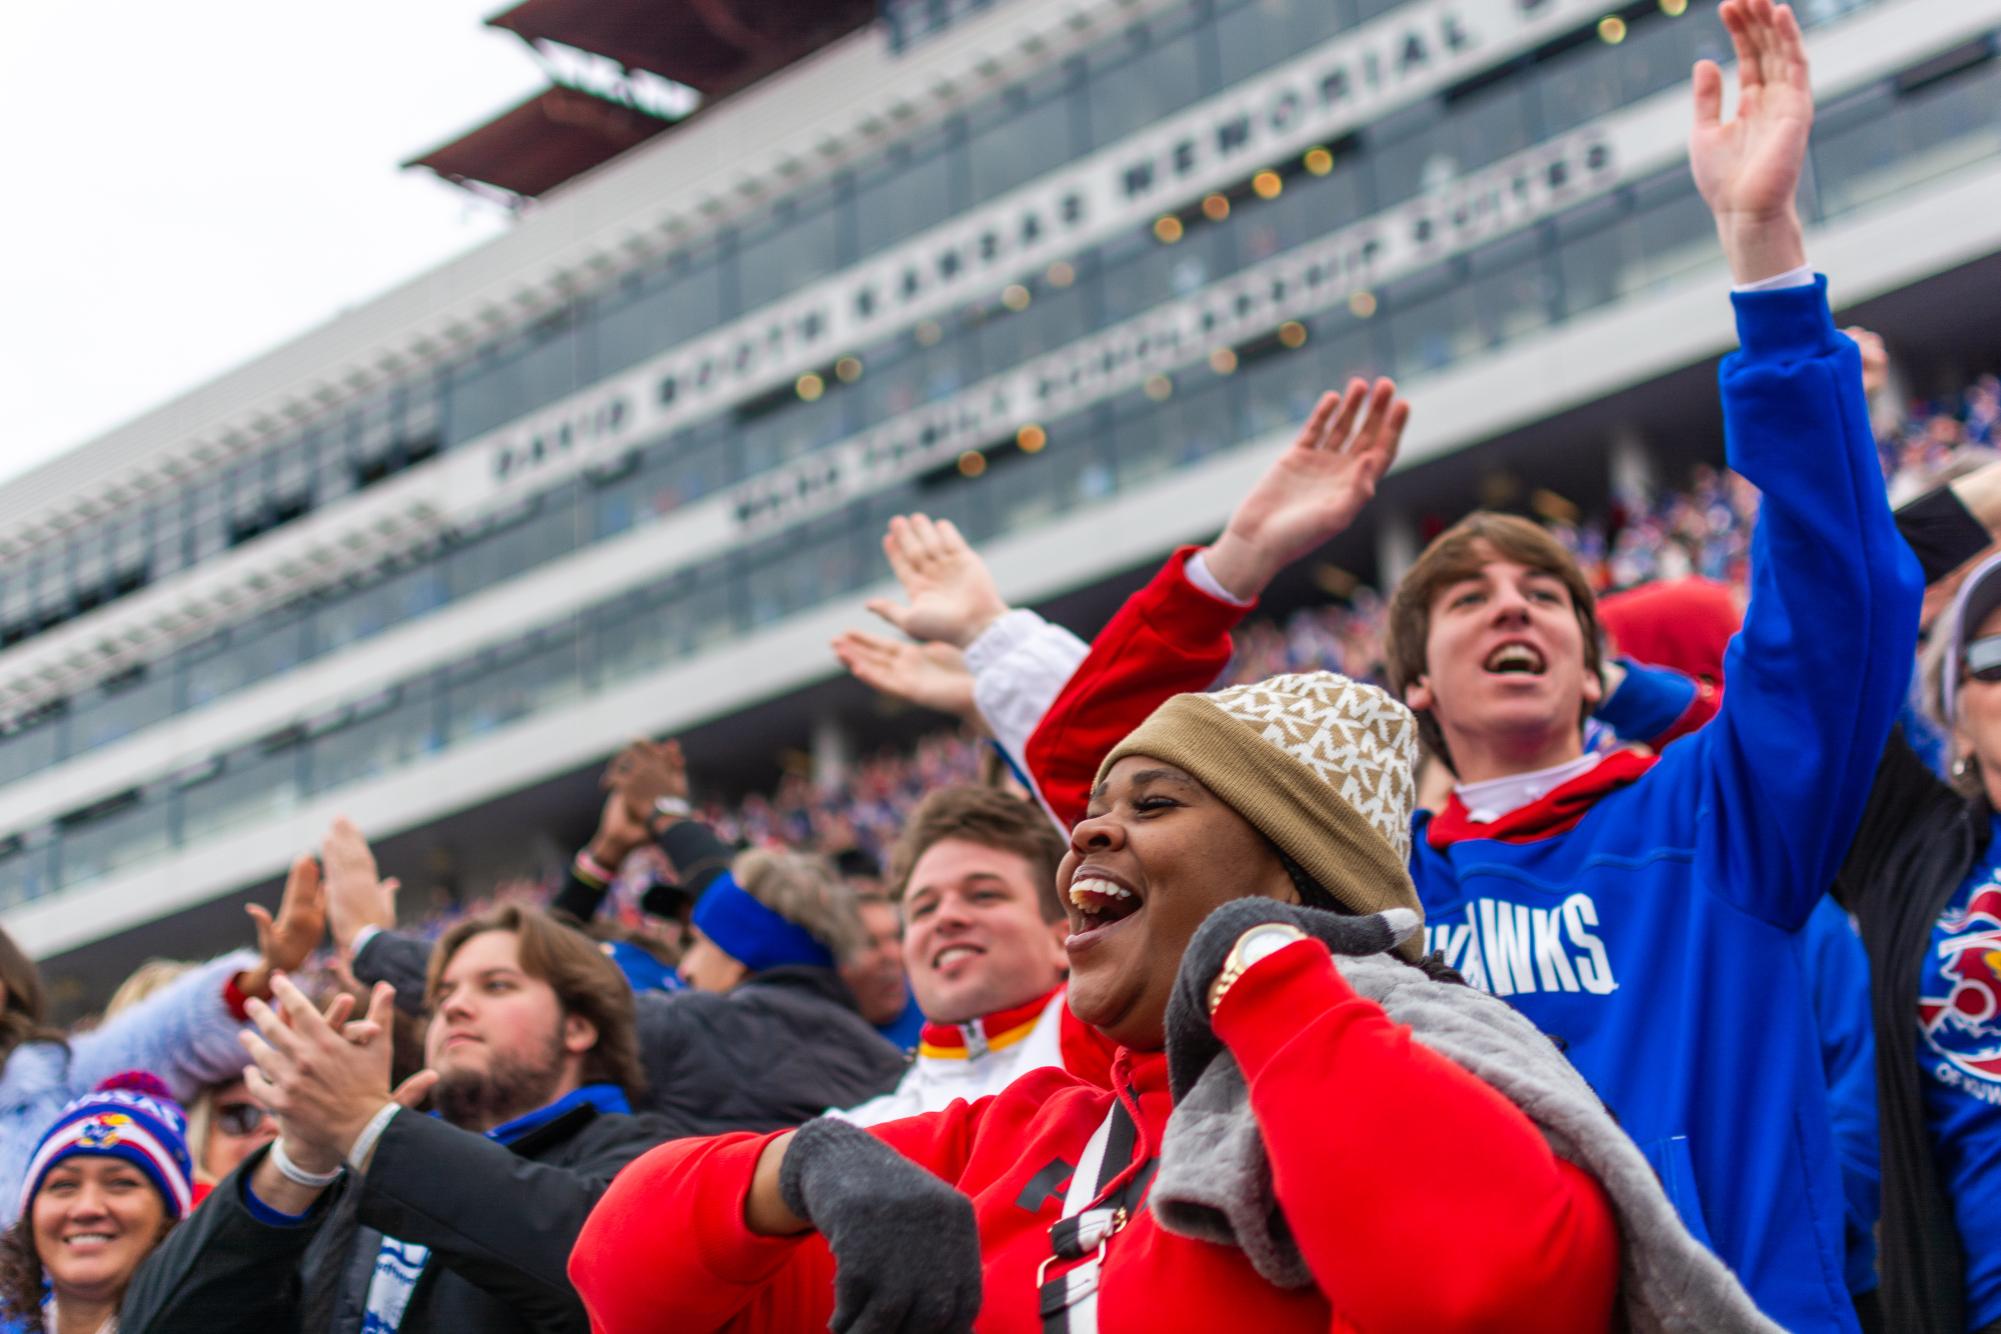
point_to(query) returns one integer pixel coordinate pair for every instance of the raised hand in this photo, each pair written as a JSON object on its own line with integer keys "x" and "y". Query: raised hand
{"x": 931, "y": 676}
{"x": 646, "y": 771}
{"x": 951, "y": 595}
{"x": 1314, "y": 490}
{"x": 357, "y": 895}
{"x": 1875, "y": 358}
{"x": 324, "y": 1079}
{"x": 1748, "y": 170}
{"x": 287, "y": 941}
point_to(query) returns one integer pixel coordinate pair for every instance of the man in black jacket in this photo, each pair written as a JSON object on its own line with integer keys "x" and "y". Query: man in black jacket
{"x": 381, "y": 1218}
{"x": 768, "y": 1035}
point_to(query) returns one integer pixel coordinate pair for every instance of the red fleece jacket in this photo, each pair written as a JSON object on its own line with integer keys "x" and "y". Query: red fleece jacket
{"x": 1169, "y": 638}
{"x": 1421, "y": 1199}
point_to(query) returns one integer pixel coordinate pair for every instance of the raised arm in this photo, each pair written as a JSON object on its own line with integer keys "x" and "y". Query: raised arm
{"x": 981, "y": 660}
{"x": 1173, "y": 635}
{"x": 1820, "y": 669}
{"x": 931, "y": 676}
{"x": 186, "y": 1032}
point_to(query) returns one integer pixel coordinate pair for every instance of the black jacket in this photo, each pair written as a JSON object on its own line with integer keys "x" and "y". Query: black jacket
{"x": 778, "y": 1050}
{"x": 500, "y": 1221}
{"x": 1917, "y": 843}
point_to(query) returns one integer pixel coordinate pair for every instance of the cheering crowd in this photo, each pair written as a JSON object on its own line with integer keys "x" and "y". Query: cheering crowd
{"x": 1487, "y": 955}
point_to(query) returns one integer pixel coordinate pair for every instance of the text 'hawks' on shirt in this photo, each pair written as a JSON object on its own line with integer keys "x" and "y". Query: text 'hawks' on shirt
{"x": 1512, "y": 949}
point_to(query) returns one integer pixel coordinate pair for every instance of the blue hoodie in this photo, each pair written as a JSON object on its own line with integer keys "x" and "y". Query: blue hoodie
{"x": 1652, "y": 917}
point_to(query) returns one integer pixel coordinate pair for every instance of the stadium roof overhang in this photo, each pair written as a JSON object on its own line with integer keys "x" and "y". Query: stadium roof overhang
{"x": 535, "y": 146}
{"x": 712, "y": 46}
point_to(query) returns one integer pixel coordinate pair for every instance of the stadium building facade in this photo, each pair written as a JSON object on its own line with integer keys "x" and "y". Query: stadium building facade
{"x": 1065, "y": 271}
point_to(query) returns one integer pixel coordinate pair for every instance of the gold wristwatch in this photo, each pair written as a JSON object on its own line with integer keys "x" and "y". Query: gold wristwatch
{"x": 1260, "y": 942}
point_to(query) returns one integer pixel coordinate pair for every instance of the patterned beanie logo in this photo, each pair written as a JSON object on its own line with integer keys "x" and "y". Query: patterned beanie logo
{"x": 103, "y": 1130}
{"x": 1354, "y": 737}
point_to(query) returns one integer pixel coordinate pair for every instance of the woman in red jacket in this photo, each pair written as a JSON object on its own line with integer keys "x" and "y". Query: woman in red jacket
{"x": 1276, "y": 1154}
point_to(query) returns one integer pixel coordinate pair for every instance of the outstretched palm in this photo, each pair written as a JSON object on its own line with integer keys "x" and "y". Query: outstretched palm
{"x": 1313, "y": 491}
{"x": 951, "y": 595}
{"x": 932, "y": 676}
{"x": 1748, "y": 169}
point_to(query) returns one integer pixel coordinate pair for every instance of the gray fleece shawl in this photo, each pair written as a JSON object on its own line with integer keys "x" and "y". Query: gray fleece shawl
{"x": 1214, "y": 1182}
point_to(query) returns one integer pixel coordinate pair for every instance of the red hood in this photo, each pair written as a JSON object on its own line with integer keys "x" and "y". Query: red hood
{"x": 1680, "y": 623}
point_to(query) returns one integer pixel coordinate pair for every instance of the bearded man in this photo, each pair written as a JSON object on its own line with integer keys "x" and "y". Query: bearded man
{"x": 382, "y": 1218}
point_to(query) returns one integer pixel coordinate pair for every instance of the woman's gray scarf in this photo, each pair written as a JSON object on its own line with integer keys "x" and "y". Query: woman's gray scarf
{"x": 1214, "y": 1182}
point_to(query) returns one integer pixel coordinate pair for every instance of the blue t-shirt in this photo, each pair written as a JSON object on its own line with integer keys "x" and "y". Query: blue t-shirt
{"x": 1959, "y": 1024}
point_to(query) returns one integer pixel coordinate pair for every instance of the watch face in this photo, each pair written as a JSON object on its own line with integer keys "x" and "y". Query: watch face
{"x": 1263, "y": 941}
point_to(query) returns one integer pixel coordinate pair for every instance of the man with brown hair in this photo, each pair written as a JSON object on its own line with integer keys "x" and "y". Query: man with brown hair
{"x": 983, "y": 931}
{"x": 1645, "y": 910}
{"x": 365, "y": 1215}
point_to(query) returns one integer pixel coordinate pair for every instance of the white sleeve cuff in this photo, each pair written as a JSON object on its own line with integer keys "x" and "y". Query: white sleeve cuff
{"x": 1020, "y": 670}
{"x": 1199, "y": 575}
{"x": 1001, "y": 637}
{"x": 364, "y": 1143}
{"x": 1799, "y": 277}
{"x": 363, "y": 936}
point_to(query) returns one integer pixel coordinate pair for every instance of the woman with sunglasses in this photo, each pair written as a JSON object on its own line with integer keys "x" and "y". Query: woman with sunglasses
{"x": 224, "y": 1126}
{"x": 1924, "y": 881}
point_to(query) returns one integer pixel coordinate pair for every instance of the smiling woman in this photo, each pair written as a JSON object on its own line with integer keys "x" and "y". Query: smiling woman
{"x": 1274, "y": 1152}
{"x": 108, "y": 1182}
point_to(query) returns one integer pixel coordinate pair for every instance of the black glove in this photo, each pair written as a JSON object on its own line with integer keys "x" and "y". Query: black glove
{"x": 906, "y": 1247}
{"x": 1191, "y": 1043}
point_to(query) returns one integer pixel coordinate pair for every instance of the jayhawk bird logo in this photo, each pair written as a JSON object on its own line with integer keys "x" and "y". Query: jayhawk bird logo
{"x": 102, "y": 1131}
{"x": 1962, "y": 1021}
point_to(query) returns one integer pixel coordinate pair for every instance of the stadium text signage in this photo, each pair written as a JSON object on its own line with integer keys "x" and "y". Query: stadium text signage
{"x": 1300, "y": 282}
{"x": 1316, "y": 97}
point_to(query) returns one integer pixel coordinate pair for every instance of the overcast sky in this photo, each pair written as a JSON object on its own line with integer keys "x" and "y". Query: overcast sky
{"x": 189, "y": 185}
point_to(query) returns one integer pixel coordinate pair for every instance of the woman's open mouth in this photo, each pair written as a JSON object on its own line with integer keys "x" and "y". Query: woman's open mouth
{"x": 1096, "y": 906}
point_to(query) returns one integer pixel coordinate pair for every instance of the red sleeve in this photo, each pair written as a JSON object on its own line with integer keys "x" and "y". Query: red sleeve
{"x": 1708, "y": 699}
{"x": 1168, "y": 638}
{"x": 667, "y": 1247}
{"x": 1421, "y": 1197}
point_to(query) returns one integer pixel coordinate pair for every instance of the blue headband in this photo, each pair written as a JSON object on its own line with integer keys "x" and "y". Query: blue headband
{"x": 753, "y": 934}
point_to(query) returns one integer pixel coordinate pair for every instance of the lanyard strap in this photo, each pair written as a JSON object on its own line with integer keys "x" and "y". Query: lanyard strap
{"x": 1069, "y": 1302}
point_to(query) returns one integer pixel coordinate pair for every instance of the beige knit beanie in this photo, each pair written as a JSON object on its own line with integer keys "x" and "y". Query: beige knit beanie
{"x": 1320, "y": 765}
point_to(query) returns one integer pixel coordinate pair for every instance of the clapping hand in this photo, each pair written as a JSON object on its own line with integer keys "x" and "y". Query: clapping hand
{"x": 323, "y": 1078}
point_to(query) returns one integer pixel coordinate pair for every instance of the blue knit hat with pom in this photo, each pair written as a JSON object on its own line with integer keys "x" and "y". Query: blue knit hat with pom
{"x": 132, "y": 1116}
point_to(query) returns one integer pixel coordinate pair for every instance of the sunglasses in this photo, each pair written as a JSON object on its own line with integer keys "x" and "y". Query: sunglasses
{"x": 239, "y": 1118}
{"x": 1983, "y": 659}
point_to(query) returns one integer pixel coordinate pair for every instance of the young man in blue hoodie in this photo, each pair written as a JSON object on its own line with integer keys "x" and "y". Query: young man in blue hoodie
{"x": 1647, "y": 911}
